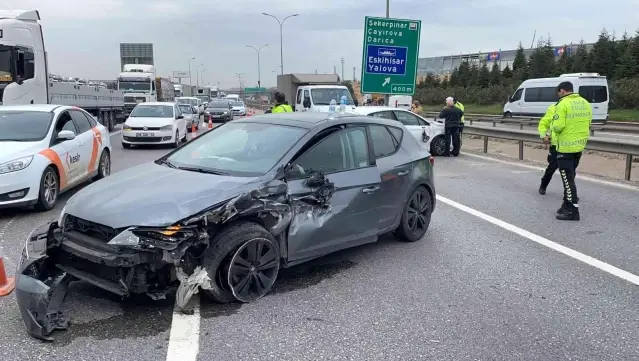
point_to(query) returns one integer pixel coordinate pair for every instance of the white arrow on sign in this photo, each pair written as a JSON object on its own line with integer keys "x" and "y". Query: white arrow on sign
{"x": 386, "y": 81}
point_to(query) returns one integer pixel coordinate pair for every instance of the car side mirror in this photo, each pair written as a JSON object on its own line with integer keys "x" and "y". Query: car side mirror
{"x": 307, "y": 102}
{"x": 356, "y": 102}
{"x": 65, "y": 135}
{"x": 180, "y": 117}
{"x": 20, "y": 82}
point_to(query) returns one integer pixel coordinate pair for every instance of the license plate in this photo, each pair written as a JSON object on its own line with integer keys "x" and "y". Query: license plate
{"x": 144, "y": 135}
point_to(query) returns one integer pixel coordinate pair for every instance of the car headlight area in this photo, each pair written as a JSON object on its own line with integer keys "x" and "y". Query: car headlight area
{"x": 20, "y": 180}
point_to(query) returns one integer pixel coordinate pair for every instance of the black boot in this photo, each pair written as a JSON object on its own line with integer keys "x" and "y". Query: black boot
{"x": 542, "y": 190}
{"x": 563, "y": 208}
{"x": 569, "y": 214}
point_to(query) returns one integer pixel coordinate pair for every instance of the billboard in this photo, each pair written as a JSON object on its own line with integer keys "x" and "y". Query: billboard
{"x": 180, "y": 74}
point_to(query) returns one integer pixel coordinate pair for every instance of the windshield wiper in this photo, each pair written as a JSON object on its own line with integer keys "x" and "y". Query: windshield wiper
{"x": 166, "y": 163}
{"x": 203, "y": 170}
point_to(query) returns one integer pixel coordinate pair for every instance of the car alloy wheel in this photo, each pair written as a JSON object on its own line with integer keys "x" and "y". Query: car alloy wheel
{"x": 253, "y": 269}
{"x": 418, "y": 212}
{"x": 104, "y": 167}
{"x": 49, "y": 190}
{"x": 438, "y": 145}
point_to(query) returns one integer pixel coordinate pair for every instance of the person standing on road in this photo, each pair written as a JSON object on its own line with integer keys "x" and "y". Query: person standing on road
{"x": 571, "y": 127}
{"x": 460, "y": 106}
{"x": 452, "y": 116}
{"x": 416, "y": 108}
{"x": 281, "y": 106}
{"x": 546, "y": 134}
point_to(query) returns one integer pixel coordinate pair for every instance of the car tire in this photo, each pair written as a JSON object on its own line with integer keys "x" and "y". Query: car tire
{"x": 126, "y": 145}
{"x": 104, "y": 166}
{"x": 438, "y": 145}
{"x": 49, "y": 182}
{"x": 508, "y": 115}
{"x": 177, "y": 140}
{"x": 225, "y": 248}
{"x": 185, "y": 138}
{"x": 417, "y": 210}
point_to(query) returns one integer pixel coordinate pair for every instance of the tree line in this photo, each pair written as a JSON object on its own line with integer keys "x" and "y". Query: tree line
{"x": 487, "y": 84}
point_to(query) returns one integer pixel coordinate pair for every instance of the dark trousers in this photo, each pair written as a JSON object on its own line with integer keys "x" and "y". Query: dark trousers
{"x": 452, "y": 133}
{"x": 567, "y": 164}
{"x": 551, "y": 168}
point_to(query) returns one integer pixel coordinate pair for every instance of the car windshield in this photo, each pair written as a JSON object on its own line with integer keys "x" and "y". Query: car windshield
{"x": 237, "y": 104}
{"x": 24, "y": 126}
{"x": 192, "y": 102}
{"x": 239, "y": 149}
{"x": 152, "y": 111}
{"x": 323, "y": 96}
{"x": 186, "y": 108}
{"x": 218, "y": 105}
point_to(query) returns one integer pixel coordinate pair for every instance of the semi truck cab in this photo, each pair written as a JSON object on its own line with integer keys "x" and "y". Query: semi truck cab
{"x": 137, "y": 82}
{"x": 23, "y": 60}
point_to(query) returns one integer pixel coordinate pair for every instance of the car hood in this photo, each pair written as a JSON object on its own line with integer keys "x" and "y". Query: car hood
{"x": 148, "y": 122}
{"x": 15, "y": 150}
{"x": 153, "y": 195}
{"x": 217, "y": 109}
{"x": 238, "y": 108}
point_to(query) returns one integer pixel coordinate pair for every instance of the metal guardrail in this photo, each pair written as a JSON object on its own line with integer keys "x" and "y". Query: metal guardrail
{"x": 259, "y": 106}
{"x": 626, "y": 147}
{"x": 522, "y": 121}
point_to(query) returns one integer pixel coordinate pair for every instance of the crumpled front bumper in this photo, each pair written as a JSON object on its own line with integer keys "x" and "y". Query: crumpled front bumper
{"x": 41, "y": 287}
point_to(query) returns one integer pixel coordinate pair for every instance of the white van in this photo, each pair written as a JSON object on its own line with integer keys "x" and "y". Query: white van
{"x": 233, "y": 97}
{"x": 534, "y": 96}
{"x": 400, "y": 101}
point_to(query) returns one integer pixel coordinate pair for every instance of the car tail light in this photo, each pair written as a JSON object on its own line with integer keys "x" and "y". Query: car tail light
{"x": 431, "y": 160}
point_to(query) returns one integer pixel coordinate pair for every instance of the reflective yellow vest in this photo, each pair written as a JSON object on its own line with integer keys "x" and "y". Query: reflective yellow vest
{"x": 282, "y": 108}
{"x": 460, "y": 106}
{"x": 571, "y": 123}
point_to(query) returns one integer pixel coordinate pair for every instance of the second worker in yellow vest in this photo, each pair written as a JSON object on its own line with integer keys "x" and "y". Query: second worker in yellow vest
{"x": 280, "y": 104}
{"x": 570, "y": 130}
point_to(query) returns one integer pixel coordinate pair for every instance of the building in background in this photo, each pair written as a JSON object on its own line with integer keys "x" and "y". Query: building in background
{"x": 443, "y": 65}
{"x": 136, "y": 53}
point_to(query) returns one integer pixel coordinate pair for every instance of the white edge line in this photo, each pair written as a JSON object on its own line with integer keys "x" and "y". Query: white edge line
{"x": 586, "y": 178}
{"x": 625, "y": 275}
{"x": 184, "y": 337}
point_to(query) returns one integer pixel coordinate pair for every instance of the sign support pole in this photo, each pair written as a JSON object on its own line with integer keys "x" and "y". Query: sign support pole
{"x": 386, "y": 96}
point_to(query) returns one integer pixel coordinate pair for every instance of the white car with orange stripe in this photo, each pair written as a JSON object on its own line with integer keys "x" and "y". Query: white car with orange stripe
{"x": 46, "y": 150}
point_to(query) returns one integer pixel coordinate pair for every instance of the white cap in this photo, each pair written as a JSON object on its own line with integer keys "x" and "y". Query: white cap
{"x": 450, "y": 99}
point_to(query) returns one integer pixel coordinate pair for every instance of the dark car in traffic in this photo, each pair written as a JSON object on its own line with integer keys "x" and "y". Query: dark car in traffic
{"x": 267, "y": 192}
{"x": 220, "y": 110}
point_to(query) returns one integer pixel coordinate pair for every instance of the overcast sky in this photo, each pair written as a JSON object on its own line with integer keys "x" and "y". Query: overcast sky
{"x": 83, "y": 36}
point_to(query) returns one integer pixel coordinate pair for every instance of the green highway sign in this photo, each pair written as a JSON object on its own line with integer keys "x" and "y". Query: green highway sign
{"x": 254, "y": 90}
{"x": 389, "y": 60}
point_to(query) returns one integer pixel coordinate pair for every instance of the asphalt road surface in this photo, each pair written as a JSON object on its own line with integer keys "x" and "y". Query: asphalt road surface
{"x": 495, "y": 278}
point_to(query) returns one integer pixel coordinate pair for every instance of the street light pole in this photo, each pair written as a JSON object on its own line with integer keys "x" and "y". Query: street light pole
{"x": 281, "y": 36}
{"x": 258, "y": 50}
{"x": 197, "y": 75}
{"x": 190, "y": 77}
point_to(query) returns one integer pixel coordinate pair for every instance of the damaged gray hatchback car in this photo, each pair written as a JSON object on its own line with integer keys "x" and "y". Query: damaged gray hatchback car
{"x": 264, "y": 192}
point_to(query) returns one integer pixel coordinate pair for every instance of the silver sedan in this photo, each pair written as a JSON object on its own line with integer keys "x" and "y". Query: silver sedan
{"x": 191, "y": 116}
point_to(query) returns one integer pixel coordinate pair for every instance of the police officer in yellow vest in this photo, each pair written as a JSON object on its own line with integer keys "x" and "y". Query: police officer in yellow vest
{"x": 571, "y": 128}
{"x": 460, "y": 106}
{"x": 546, "y": 134}
{"x": 280, "y": 104}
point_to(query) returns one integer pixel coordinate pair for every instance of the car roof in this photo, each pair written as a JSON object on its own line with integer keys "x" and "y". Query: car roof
{"x": 35, "y": 107}
{"x": 310, "y": 120}
{"x": 372, "y": 109}
{"x": 158, "y": 103}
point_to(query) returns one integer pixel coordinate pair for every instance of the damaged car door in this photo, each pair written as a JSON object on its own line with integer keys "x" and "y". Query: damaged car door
{"x": 334, "y": 187}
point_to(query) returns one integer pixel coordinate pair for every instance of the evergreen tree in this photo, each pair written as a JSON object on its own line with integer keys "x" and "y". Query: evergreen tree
{"x": 580, "y": 59}
{"x": 445, "y": 81}
{"x": 542, "y": 61}
{"x": 454, "y": 78}
{"x": 473, "y": 75}
{"x": 519, "y": 63}
{"x": 507, "y": 73}
{"x": 495, "y": 74}
{"x": 603, "y": 55}
{"x": 464, "y": 74}
{"x": 483, "y": 78}
{"x": 564, "y": 64}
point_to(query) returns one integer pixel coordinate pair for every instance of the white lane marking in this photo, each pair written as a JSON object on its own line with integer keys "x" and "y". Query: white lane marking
{"x": 586, "y": 178}
{"x": 184, "y": 338}
{"x": 7, "y": 260}
{"x": 625, "y": 275}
